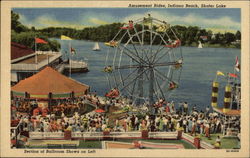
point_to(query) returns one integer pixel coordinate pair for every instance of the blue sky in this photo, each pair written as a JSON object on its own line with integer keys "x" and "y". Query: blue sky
{"x": 216, "y": 19}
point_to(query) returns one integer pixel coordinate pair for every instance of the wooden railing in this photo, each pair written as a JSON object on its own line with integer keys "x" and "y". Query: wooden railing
{"x": 99, "y": 135}
{"x": 206, "y": 145}
{"x": 46, "y": 135}
{"x": 163, "y": 135}
{"x": 114, "y": 135}
{"x": 188, "y": 138}
{"x": 33, "y": 67}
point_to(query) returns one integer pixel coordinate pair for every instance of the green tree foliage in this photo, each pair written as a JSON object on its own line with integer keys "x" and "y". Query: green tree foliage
{"x": 28, "y": 39}
{"x": 229, "y": 37}
{"x": 25, "y": 36}
{"x": 16, "y": 25}
{"x": 238, "y": 35}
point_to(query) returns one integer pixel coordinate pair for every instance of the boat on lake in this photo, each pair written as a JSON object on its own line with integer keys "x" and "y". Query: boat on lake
{"x": 96, "y": 47}
{"x": 76, "y": 66}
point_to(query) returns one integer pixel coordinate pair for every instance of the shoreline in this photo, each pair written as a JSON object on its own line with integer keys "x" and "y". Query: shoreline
{"x": 192, "y": 45}
{"x": 212, "y": 46}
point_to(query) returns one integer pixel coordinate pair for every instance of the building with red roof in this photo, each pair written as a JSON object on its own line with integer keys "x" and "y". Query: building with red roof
{"x": 18, "y": 51}
{"x": 25, "y": 62}
{"x": 49, "y": 82}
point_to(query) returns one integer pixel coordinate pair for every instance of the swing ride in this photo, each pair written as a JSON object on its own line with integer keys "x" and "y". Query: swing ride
{"x": 144, "y": 61}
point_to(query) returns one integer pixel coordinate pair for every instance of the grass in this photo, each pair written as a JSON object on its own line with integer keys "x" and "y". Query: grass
{"x": 185, "y": 144}
{"x": 226, "y": 143}
{"x": 88, "y": 144}
{"x": 97, "y": 144}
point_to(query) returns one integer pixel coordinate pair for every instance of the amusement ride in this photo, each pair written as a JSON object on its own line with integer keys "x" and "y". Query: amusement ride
{"x": 144, "y": 61}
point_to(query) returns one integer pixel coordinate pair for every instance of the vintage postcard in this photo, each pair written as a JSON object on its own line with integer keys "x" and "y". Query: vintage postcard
{"x": 125, "y": 79}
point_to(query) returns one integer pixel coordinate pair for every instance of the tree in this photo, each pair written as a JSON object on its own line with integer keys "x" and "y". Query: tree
{"x": 16, "y": 25}
{"x": 33, "y": 29}
{"x": 238, "y": 35}
{"x": 229, "y": 37}
{"x": 191, "y": 34}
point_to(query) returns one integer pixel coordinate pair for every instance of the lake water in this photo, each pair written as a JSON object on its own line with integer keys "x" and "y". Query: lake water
{"x": 198, "y": 72}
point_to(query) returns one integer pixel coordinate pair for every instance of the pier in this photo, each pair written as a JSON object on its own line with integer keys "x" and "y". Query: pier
{"x": 25, "y": 62}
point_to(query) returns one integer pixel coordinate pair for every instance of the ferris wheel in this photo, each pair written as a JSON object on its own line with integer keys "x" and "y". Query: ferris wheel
{"x": 144, "y": 60}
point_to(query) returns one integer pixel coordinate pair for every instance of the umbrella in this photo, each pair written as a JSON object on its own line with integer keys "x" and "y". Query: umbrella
{"x": 99, "y": 110}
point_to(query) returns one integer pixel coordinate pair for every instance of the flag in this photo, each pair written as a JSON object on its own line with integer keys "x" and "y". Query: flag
{"x": 237, "y": 64}
{"x": 65, "y": 37}
{"x": 72, "y": 51}
{"x": 232, "y": 75}
{"x": 39, "y": 40}
{"x": 219, "y": 73}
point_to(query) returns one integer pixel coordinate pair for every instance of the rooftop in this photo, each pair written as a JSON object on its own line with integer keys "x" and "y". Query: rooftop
{"x": 18, "y": 50}
{"x": 29, "y": 62}
{"x": 32, "y": 60}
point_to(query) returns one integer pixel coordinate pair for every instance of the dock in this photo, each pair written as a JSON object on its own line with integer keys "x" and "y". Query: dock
{"x": 76, "y": 66}
{"x": 25, "y": 62}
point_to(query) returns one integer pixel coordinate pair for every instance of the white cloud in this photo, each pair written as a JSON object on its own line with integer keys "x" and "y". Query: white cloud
{"x": 97, "y": 21}
{"x": 97, "y": 18}
{"x": 47, "y": 20}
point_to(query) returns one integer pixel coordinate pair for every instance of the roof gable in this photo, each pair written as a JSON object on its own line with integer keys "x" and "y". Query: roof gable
{"x": 18, "y": 50}
{"x": 49, "y": 81}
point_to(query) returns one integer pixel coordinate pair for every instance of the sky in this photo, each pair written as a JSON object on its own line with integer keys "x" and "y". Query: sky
{"x": 216, "y": 19}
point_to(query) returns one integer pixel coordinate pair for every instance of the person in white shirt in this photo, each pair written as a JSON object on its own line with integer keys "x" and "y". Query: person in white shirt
{"x": 218, "y": 140}
{"x": 165, "y": 122}
{"x": 104, "y": 126}
{"x": 185, "y": 126}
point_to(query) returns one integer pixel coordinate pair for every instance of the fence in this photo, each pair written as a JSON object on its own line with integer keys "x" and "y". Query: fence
{"x": 116, "y": 135}
{"x": 199, "y": 144}
{"x": 34, "y": 66}
{"x": 206, "y": 145}
{"x": 125, "y": 134}
{"x": 101, "y": 135}
{"x": 163, "y": 135}
{"x": 188, "y": 138}
{"x": 46, "y": 135}
{"x": 47, "y": 52}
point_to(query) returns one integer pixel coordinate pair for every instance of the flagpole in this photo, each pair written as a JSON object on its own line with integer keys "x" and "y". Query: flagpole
{"x": 234, "y": 69}
{"x": 48, "y": 59}
{"x": 35, "y": 53}
{"x": 70, "y": 59}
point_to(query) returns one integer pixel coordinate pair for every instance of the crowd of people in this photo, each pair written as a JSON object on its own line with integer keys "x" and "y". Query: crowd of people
{"x": 164, "y": 117}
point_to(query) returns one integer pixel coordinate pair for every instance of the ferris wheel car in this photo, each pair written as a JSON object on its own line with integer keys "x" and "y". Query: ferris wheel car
{"x": 172, "y": 85}
{"x": 108, "y": 69}
{"x": 111, "y": 43}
